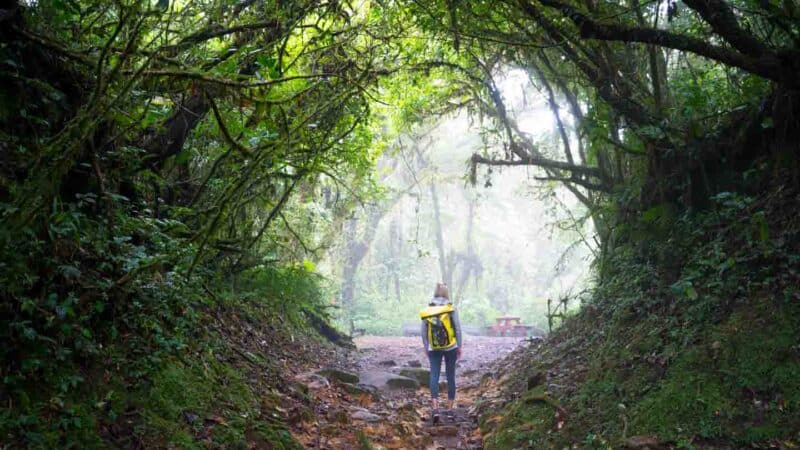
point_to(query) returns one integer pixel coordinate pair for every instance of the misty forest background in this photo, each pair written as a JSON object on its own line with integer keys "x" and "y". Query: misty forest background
{"x": 504, "y": 246}
{"x": 198, "y": 197}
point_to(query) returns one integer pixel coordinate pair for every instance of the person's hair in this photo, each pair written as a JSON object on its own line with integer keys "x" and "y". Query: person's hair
{"x": 441, "y": 291}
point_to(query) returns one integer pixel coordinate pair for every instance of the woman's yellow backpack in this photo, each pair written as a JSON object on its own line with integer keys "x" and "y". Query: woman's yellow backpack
{"x": 439, "y": 326}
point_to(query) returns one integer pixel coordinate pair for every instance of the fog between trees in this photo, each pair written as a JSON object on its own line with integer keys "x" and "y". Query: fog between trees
{"x": 508, "y": 242}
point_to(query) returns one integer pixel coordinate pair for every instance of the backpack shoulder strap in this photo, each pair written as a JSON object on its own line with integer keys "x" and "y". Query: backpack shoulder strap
{"x": 435, "y": 311}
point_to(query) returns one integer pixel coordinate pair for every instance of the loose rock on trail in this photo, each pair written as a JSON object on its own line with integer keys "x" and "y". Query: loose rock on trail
{"x": 389, "y": 404}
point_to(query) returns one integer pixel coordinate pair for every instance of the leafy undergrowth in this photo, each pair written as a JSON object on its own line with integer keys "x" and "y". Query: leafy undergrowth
{"x": 232, "y": 391}
{"x": 218, "y": 380}
{"x": 691, "y": 340}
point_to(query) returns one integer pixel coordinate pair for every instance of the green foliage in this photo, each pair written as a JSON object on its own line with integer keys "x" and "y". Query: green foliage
{"x": 363, "y": 441}
{"x": 526, "y": 423}
{"x": 722, "y": 327}
{"x": 150, "y": 151}
{"x": 71, "y": 310}
{"x": 171, "y": 373}
{"x": 691, "y": 333}
{"x": 148, "y": 157}
{"x": 745, "y": 389}
{"x": 292, "y": 290}
{"x": 208, "y": 397}
{"x": 380, "y": 316}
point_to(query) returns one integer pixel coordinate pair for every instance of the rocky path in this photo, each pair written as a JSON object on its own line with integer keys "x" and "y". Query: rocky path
{"x": 379, "y": 397}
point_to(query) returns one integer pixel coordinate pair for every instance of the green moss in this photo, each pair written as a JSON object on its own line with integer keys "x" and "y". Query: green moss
{"x": 525, "y": 423}
{"x": 206, "y": 397}
{"x": 363, "y": 441}
{"x": 58, "y": 421}
{"x": 734, "y": 380}
{"x": 742, "y": 383}
{"x": 686, "y": 404}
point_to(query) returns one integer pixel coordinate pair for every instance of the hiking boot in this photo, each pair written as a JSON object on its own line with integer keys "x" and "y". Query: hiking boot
{"x": 435, "y": 416}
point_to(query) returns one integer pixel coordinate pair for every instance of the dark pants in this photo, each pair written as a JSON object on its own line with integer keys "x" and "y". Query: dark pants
{"x": 435, "y": 357}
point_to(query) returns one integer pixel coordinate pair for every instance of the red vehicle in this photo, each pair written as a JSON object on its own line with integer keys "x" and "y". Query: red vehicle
{"x": 508, "y": 326}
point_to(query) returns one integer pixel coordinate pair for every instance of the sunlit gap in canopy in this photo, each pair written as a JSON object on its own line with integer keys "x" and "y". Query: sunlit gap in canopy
{"x": 508, "y": 242}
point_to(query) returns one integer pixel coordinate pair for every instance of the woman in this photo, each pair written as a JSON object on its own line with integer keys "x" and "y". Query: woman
{"x": 441, "y": 338}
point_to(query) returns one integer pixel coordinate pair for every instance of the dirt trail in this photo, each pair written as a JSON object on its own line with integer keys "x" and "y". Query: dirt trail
{"x": 346, "y": 416}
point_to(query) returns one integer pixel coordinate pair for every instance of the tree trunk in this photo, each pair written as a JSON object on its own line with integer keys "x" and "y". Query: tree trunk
{"x": 444, "y": 266}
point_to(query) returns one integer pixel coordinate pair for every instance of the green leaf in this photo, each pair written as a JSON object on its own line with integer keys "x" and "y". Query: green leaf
{"x": 651, "y": 131}
{"x": 762, "y": 227}
{"x": 685, "y": 288}
{"x": 70, "y": 272}
{"x": 266, "y": 62}
{"x": 183, "y": 156}
{"x": 28, "y": 306}
{"x": 654, "y": 213}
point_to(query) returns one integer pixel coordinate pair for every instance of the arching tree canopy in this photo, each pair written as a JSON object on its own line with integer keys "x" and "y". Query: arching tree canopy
{"x": 161, "y": 158}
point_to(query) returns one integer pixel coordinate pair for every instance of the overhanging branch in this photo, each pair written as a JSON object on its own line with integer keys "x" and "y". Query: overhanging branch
{"x": 767, "y": 65}
{"x": 723, "y": 20}
{"x": 587, "y": 184}
{"x": 539, "y": 162}
{"x": 550, "y": 167}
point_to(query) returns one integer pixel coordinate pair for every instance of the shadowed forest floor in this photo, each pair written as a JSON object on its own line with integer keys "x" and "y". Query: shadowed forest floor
{"x": 359, "y": 415}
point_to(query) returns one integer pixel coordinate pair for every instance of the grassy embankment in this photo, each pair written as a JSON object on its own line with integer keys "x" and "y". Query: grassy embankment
{"x": 213, "y": 372}
{"x": 691, "y": 338}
